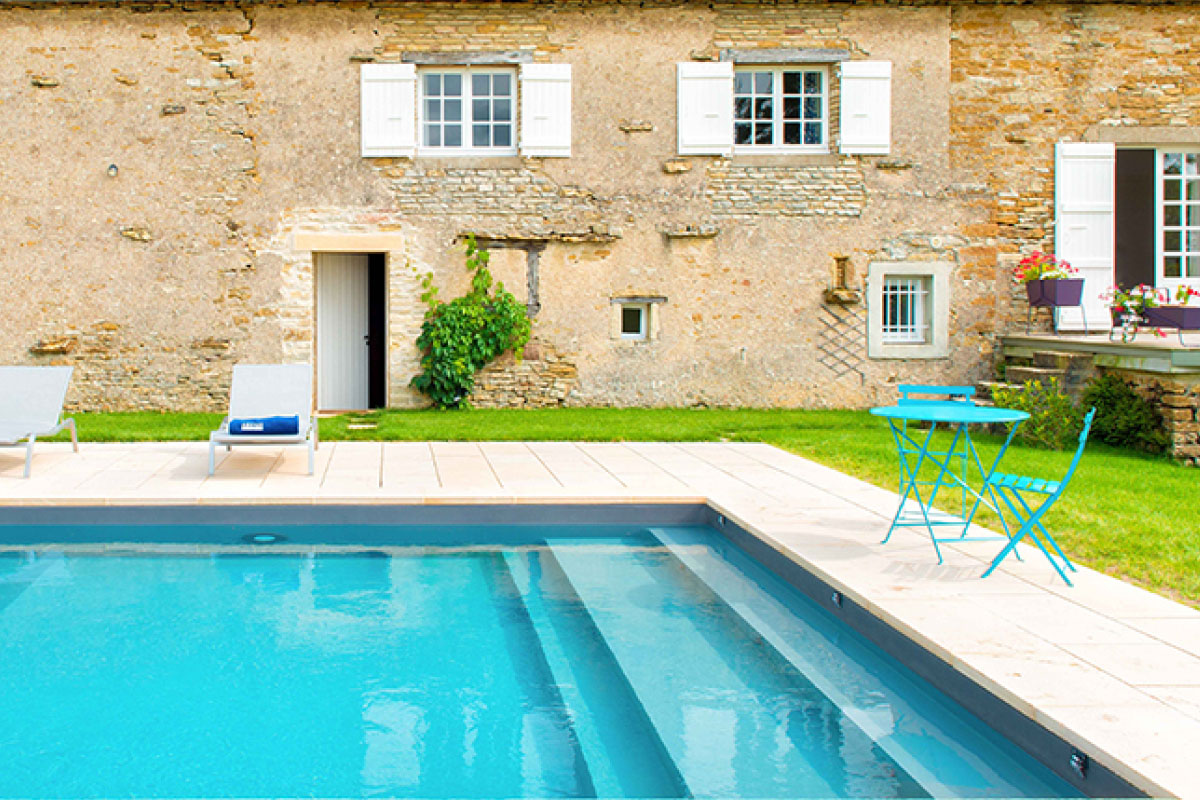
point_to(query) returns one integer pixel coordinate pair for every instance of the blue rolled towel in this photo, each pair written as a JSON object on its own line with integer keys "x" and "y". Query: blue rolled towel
{"x": 265, "y": 426}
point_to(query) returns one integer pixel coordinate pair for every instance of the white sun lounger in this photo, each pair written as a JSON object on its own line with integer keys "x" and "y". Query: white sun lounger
{"x": 31, "y": 402}
{"x": 268, "y": 390}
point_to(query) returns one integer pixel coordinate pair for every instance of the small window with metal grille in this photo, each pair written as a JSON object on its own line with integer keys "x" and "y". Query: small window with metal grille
{"x": 905, "y": 309}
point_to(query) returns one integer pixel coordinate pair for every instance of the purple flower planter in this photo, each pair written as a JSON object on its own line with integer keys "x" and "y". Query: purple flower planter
{"x": 1053, "y": 293}
{"x": 1181, "y": 317}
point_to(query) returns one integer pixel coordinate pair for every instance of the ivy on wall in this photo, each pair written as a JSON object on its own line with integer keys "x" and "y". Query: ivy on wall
{"x": 461, "y": 337}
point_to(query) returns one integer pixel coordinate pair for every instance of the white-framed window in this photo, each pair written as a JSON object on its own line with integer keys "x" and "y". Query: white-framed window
{"x": 908, "y": 309}
{"x": 755, "y": 109}
{"x": 635, "y": 320}
{"x": 411, "y": 110}
{"x": 780, "y": 109}
{"x": 1178, "y": 204}
{"x": 467, "y": 111}
{"x": 905, "y": 309}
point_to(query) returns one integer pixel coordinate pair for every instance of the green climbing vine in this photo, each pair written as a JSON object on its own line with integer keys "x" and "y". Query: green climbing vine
{"x": 463, "y": 336}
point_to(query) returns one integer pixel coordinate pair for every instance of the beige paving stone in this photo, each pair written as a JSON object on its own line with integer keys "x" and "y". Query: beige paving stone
{"x": 1151, "y": 663}
{"x": 1180, "y": 632}
{"x": 1058, "y": 619}
{"x": 1185, "y": 699}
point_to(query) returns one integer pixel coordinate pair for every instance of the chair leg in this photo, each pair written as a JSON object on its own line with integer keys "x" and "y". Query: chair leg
{"x": 312, "y": 466}
{"x": 1049, "y": 538}
{"x": 212, "y": 456}
{"x": 1027, "y": 529}
{"x": 70, "y": 423}
{"x": 29, "y": 455}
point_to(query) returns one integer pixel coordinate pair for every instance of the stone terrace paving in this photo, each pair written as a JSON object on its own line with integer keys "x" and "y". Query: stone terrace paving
{"x": 1112, "y": 668}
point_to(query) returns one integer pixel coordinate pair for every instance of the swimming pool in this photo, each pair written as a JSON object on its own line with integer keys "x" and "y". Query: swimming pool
{"x": 517, "y": 661}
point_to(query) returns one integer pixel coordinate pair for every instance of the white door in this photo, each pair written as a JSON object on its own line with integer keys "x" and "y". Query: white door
{"x": 342, "y": 327}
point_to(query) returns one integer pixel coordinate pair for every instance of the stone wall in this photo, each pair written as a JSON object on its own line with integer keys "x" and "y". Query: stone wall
{"x": 1178, "y": 400}
{"x": 234, "y": 132}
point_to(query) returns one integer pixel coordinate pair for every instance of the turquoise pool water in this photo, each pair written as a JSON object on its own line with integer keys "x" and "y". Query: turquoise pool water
{"x": 589, "y": 662}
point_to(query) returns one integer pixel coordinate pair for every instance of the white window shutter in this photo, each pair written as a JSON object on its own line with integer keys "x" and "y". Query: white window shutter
{"x": 389, "y": 109}
{"x": 866, "y": 100}
{"x": 705, "y": 95}
{"x": 1084, "y": 224}
{"x": 546, "y": 110}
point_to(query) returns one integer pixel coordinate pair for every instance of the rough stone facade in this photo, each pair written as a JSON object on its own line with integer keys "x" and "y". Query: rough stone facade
{"x": 232, "y": 131}
{"x": 1178, "y": 400}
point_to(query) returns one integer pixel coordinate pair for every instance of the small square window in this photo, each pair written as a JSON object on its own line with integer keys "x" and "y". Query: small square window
{"x": 908, "y": 309}
{"x": 905, "y": 309}
{"x": 634, "y": 317}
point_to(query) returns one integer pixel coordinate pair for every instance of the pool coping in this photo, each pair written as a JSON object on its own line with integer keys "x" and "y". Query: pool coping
{"x": 851, "y": 562}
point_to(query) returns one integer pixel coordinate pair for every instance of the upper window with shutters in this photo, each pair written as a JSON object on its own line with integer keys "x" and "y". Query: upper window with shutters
{"x": 781, "y": 110}
{"x": 727, "y": 109}
{"x": 477, "y": 111}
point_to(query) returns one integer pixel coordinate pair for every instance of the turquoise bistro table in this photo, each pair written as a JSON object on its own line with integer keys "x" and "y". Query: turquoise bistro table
{"x": 917, "y": 496}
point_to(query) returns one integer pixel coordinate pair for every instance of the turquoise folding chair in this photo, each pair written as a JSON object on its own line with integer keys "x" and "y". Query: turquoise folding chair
{"x": 1010, "y": 487}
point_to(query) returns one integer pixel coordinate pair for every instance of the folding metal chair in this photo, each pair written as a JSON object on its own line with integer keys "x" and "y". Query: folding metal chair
{"x": 1010, "y": 487}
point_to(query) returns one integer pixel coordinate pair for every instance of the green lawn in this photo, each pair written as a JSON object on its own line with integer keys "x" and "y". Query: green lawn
{"x": 1125, "y": 514}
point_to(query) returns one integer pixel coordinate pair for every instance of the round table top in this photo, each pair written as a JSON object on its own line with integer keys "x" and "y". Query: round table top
{"x": 952, "y": 412}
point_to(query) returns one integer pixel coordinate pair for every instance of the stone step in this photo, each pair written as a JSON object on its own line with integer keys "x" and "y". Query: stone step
{"x": 984, "y": 389}
{"x": 1022, "y": 375}
{"x": 1050, "y": 359}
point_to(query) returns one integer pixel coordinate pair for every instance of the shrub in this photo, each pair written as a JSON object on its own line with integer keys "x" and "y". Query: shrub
{"x": 1053, "y": 422}
{"x": 463, "y": 336}
{"x": 1123, "y": 417}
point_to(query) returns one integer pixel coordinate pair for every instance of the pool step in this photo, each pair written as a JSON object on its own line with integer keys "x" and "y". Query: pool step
{"x": 736, "y": 717}
{"x": 625, "y": 756}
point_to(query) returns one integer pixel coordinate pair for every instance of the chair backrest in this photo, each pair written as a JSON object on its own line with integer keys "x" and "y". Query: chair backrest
{"x": 33, "y": 395}
{"x": 1083, "y": 435}
{"x": 271, "y": 390}
{"x": 940, "y": 394}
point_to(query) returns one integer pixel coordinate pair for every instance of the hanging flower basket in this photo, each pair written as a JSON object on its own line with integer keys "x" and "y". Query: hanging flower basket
{"x": 1054, "y": 292}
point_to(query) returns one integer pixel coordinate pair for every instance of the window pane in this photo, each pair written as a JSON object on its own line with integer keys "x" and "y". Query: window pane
{"x": 502, "y": 135}
{"x": 1193, "y": 241}
{"x": 1193, "y": 216}
{"x": 1192, "y": 164}
{"x": 812, "y": 133}
{"x": 792, "y": 82}
{"x": 791, "y": 133}
{"x": 741, "y": 133}
{"x": 791, "y": 108}
{"x": 433, "y": 136}
{"x": 452, "y": 136}
{"x": 452, "y": 84}
{"x": 812, "y": 108}
{"x": 631, "y": 320}
{"x": 743, "y": 82}
{"x": 762, "y": 108}
{"x": 481, "y": 85}
{"x": 1171, "y": 215}
{"x": 763, "y": 81}
{"x": 502, "y": 110}
{"x": 1172, "y": 163}
{"x": 762, "y": 133}
{"x": 1171, "y": 267}
{"x": 481, "y": 110}
{"x": 1170, "y": 190}
{"x": 433, "y": 110}
{"x": 741, "y": 108}
{"x": 1193, "y": 190}
{"x": 1193, "y": 263}
{"x": 1171, "y": 241}
{"x": 433, "y": 84}
{"x": 479, "y": 136}
{"x": 453, "y": 110}
{"x": 502, "y": 84}
{"x": 812, "y": 82}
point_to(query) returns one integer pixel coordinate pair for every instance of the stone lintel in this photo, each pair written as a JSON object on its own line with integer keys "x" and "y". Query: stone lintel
{"x": 785, "y": 55}
{"x": 1148, "y": 135}
{"x": 466, "y": 58}
{"x": 324, "y": 242}
{"x": 649, "y": 299}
